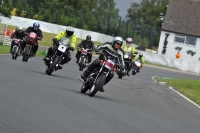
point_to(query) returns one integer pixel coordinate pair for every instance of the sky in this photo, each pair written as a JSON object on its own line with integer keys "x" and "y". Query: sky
{"x": 123, "y": 5}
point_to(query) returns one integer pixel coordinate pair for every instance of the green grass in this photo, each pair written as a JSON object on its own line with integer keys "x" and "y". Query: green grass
{"x": 188, "y": 87}
{"x": 6, "y": 50}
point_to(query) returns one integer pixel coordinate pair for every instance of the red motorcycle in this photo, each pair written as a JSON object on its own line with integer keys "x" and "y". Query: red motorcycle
{"x": 30, "y": 40}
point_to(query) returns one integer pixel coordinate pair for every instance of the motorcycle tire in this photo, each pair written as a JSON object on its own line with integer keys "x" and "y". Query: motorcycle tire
{"x": 119, "y": 76}
{"x": 81, "y": 65}
{"x": 99, "y": 84}
{"x": 84, "y": 88}
{"x": 134, "y": 72}
{"x": 52, "y": 66}
{"x": 13, "y": 52}
{"x": 25, "y": 54}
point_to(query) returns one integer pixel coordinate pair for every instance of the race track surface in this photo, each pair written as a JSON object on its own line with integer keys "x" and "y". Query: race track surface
{"x": 33, "y": 102}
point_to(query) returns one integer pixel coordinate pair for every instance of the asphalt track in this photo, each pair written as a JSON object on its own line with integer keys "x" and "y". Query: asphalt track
{"x": 33, "y": 102}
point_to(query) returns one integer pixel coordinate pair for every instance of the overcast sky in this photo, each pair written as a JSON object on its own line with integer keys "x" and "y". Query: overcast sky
{"x": 123, "y": 5}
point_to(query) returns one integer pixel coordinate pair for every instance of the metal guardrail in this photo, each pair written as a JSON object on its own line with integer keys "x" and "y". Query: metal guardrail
{"x": 5, "y": 40}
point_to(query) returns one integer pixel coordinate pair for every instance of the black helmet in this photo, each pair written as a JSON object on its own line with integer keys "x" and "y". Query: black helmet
{"x": 69, "y": 30}
{"x": 88, "y": 37}
{"x": 140, "y": 54}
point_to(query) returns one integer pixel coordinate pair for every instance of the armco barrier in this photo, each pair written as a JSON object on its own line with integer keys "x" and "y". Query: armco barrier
{"x": 54, "y": 28}
{"x": 164, "y": 60}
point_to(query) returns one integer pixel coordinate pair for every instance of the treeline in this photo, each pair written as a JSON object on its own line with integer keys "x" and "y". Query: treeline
{"x": 142, "y": 21}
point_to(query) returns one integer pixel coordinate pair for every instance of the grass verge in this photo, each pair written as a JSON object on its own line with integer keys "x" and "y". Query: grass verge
{"x": 189, "y": 88}
{"x": 6, "y": 49}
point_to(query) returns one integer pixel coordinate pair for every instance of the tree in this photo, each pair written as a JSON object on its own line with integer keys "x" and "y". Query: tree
{"x": 5, "y": 8}
{"x": 148, "y": 13}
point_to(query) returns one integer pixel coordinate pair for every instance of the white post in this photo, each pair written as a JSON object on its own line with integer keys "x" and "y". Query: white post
{"x": 5, "y": 32}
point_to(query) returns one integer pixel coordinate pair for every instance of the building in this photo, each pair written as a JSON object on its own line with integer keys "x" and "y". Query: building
{"x": 181, "y": 30}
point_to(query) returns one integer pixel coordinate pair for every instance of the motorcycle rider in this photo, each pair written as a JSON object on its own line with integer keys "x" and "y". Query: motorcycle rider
{"x": 18, "y": 34}
{"x": 128, "y": 47}
{"x": 140, "y": 57}
{"x": 86, "y": 44}
{"x": 110, "y": 51}
{"x": 67, "y": 36}
{"x": 36, "y": 30}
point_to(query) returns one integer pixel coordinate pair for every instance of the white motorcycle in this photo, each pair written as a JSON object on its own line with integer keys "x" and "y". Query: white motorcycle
{"x": 56, "y": 58}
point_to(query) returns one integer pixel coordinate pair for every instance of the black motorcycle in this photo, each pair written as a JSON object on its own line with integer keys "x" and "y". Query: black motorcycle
{"x": 56, "y": 58}
{"x": 16, "y": 48}
{"x": 96, "y": 80}
{"x": 83, "y": 59}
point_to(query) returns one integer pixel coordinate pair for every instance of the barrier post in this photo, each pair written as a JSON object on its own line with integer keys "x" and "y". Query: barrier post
{"x": 5, "y": 33}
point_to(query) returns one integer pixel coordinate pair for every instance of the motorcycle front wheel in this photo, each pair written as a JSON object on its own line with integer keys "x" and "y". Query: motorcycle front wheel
{"x": 52, "y": 66}
{"x": 84, "y": 88}
{"x": 81, "y": 65}
{"x": 99, "y": 84}
{"x": 14, "y": 53}
{"x": 25, "y": 54}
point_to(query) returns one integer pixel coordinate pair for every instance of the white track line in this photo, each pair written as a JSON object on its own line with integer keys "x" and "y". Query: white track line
{"x": 171, "y": 88}
{"x": 153, "y": 78}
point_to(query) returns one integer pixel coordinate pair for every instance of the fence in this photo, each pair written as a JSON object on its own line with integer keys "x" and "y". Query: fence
{"x": 5, "y": 40}
{"x": 142, "y": 34}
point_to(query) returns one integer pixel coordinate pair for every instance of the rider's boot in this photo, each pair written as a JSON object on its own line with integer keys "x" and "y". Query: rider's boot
{"x": 101, "y": 90}
{"x": 85, "y": 74}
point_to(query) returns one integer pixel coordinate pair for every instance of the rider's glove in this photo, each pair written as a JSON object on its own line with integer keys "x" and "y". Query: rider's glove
{"x": 54, "y": 39}
{"x": 71, "y": 48}
{"x": 39, "y": 38}
{"x": 78, "y": 48}
{"x": 96, "y": 50}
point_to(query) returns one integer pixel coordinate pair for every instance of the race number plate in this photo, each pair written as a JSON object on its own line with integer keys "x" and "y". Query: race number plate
{"x": 62, "y": 48}
{"x": 109, "y": 64}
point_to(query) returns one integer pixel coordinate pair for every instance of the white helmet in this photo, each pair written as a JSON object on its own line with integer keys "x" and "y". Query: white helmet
{"x": 118, "y": 40}
{"x": 20, "y": 29}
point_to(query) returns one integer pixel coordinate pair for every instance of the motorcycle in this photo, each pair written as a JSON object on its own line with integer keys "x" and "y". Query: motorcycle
{"x": 83, "y": 59}
{"x": 16, "y": 48}
{"x": 128, "y": 65}
{"x": 96, "y": 80}
{"x": 56, "y": 58}
{"x": 30, "y": 43}
{"x": 136, "y": 67}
